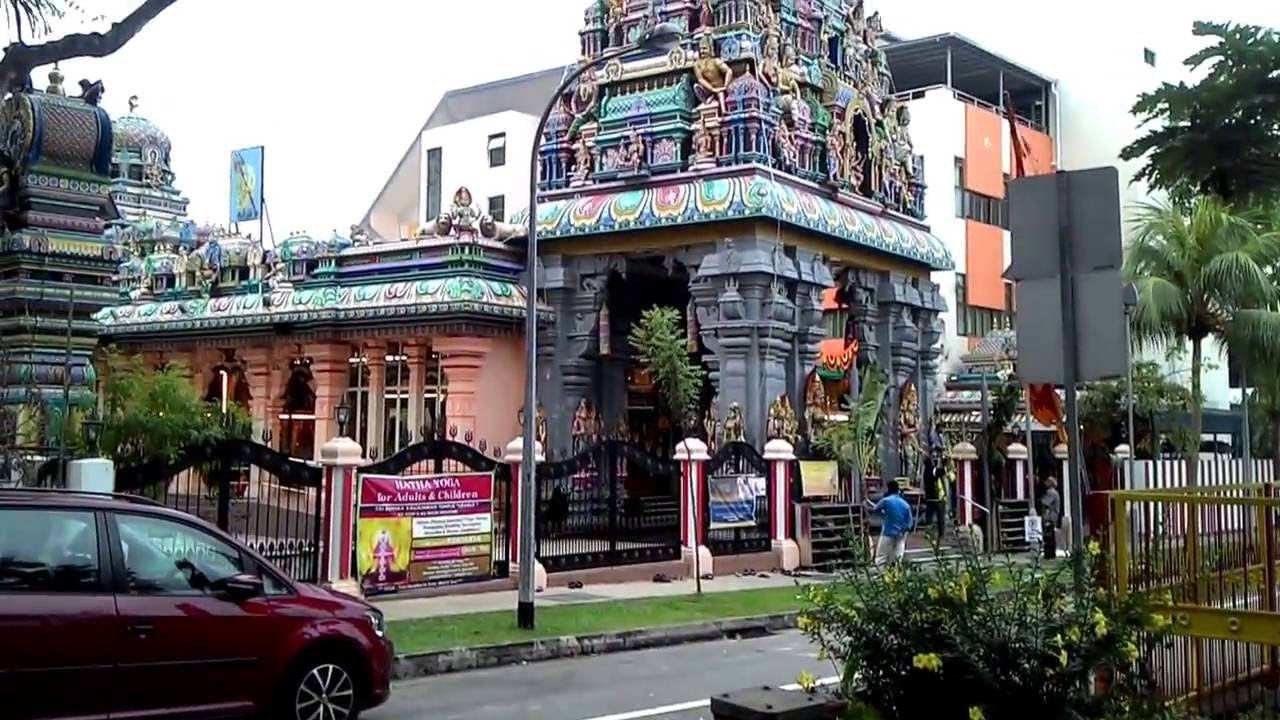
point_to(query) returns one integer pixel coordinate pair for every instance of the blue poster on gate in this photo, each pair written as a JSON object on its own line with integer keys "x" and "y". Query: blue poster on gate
{"x": 731, "y": 501}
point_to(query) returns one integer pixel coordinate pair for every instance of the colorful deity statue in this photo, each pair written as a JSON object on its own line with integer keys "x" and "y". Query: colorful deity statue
{"x": 384, "y": 555}
{"x": 734, "y": 425}
{"x": 583, "y": 102}
{"x": 704, "y": 143}
{"x": 788, "y": 82}
{"x": 635, "y": 152}
{"x": 461, "y": 217}
{"x": 788, "y": 154}
{"x": 613, "y": 21}
{"x": 586, "y": 425}
{"x": 837, "y": 170}
{"x": 706, "y": 16}
{"x": 712, "y": 74}
{"x": 582, "y": 160}
{"x": 909, "y": 428}
{"x": 782, "y": 419}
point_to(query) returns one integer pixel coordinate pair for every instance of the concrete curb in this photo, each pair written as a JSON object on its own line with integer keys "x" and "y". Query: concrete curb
{"x": 459, "y": 659}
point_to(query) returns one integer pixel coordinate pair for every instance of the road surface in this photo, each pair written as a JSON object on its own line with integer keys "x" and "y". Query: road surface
{"x": 663, "y": 684}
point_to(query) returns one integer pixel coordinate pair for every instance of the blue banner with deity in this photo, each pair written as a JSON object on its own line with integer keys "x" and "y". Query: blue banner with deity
{"x": 246, "y": 184}
{"x": 731, "y": 500}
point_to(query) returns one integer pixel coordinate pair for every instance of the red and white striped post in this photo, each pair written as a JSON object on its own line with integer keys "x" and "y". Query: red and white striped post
{"x": 1017, "y": 454}
{"x": 1066, "y": 492}
{"x": 780, "y": 456}
{"x": 513, "y": 458}
{"x": 965, "y": 456}
{"x": 692, "y": 455}
{"x": 341, "y": 458}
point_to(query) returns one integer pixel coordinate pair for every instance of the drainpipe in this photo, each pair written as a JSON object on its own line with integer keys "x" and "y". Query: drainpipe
{"x": 1057, "y": 123}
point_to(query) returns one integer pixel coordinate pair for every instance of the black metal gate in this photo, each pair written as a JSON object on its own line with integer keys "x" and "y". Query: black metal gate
{"x": 269, "y": 501}
{"x": 436, "y": 455}
{"x": 734, "y": 460}
{"x": 613, "y": 503}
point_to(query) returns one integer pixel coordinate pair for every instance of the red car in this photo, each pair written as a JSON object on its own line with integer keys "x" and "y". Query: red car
{"x": 114, "y": 607}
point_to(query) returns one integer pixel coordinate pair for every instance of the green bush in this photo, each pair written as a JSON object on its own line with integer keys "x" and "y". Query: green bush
{"x": 974, "y": 638}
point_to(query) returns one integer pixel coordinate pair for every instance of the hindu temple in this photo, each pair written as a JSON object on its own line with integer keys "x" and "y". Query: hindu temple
{"x": 738, "y": 177}
{"x": 56, "y": 267}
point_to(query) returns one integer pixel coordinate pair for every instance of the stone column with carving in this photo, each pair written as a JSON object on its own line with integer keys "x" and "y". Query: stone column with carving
{"x": 461, "y": 360}
{"x": 417, "y": 352}
{"x": 932, "y": 305}
{"x": 329, "y": 369}
{"x": 258, "y": 373}
{"x": 899, "y": 300}
{"x": 813, "y": 277}
{"x": 567, "y": 347}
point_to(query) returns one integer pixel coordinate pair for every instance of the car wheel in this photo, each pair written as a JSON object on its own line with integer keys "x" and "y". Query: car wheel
{"x": 321, "y": 690}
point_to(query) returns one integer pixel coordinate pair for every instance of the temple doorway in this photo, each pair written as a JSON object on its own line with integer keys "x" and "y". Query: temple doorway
{"x": 629, "y": 393}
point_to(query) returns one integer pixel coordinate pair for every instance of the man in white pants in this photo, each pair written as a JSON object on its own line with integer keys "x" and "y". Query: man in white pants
{"x": 897, "y": 522}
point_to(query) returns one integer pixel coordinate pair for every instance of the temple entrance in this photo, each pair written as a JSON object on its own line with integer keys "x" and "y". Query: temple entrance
{"x": 628, "y": 392}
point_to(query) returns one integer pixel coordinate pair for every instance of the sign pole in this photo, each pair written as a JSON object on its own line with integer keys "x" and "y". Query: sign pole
{"x": 1070, "y": 362}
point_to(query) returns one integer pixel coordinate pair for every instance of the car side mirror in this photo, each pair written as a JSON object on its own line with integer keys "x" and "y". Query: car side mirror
{"x": 238, "y": 588}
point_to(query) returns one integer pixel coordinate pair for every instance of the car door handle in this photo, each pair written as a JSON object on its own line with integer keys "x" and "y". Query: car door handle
{"x": 141, "y": 629}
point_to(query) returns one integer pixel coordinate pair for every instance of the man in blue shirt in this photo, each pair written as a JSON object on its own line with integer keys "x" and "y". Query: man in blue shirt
{"x": 895, "y": 526}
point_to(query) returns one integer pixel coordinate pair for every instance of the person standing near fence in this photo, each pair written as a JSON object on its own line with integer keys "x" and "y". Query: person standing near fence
{"x": 1051, "y": 516}
{"x": 897, "y": 522}
{"x": 934, "y": 480}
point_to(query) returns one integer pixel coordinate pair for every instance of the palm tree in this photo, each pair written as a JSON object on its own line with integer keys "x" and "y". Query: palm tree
{"x": 1202, "y": 271}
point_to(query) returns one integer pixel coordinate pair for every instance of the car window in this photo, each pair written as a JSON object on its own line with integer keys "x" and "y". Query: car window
{"x": 163, "y": 557}
{"x": 48, "y": 551}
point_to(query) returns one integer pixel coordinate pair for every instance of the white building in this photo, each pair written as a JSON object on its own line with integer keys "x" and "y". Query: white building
{"x": 479, "y": 137}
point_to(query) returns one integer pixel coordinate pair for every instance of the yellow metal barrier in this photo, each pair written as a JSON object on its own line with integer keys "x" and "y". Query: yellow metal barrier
{"x": 1208, "y": 555}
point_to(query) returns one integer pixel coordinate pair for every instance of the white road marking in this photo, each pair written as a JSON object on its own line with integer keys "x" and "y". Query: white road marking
{"x": 695, "y": 704}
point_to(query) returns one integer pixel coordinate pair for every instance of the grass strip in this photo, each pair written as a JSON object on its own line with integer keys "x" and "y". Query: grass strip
{"x": 497, "y": 628}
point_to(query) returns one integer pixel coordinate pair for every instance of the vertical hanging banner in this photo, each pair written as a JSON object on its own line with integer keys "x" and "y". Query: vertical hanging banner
{"x": 246, "y": 184}
{"x": 424, "y": 530}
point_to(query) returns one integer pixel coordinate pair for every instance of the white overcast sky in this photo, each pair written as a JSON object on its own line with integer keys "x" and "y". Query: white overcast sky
{"x": 335, "y": 90}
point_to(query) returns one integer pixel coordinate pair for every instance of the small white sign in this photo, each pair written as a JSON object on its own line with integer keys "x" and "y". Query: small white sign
{"x": 1032, "y": 529}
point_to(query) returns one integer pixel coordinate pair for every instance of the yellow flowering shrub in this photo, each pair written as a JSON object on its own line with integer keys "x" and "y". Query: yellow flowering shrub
{"x": 982, "y": 638}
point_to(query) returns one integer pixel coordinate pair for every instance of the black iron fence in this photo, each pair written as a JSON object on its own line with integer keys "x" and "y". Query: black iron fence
{"x": 613, "y": 503}
{"x": 739, "y": 467}
{"x": 269, "y": 501}
{"x": 435, "y": 455}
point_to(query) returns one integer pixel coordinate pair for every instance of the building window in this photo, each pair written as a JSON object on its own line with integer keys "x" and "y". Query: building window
{"x": 978, "y": 322}
{"x": 498, "y": 208}
{"x": 135, "y": 173}
{"x": 396, "y": 433}
{"x": 358, "y": 396}
{"x": 433, "y": 183}
{"x": 1149, "y": 56}
{"x": 1009, "y": 308}
{"x": 959, "y": 182}
{"x": 833, "y": 322}
{"x": 985, "y": 209}
{"x": 433, "y": 397}
{"x": 498, "y": 150}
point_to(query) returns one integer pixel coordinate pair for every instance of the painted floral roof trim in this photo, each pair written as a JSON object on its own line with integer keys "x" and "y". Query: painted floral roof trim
{"x": 477, "y": 296}
{"x": 710, "y": 199}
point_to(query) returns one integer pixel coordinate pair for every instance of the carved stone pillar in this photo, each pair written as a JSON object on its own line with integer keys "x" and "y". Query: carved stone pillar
{"x": 931, "y": 332}
{"x": 461, "y": 360}
{"x": 417, "y": 351}
{"x": 573, "y": 286}
{"x": 748, "y": 318}
{"x": 329, "y": 371}
{"x": 899, "y": 300}
{"x": 866, "y": 315}
{"x": 813, "y": 277}
{"x": 258, "y": 374}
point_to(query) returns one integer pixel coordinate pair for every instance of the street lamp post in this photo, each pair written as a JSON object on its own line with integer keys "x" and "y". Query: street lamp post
{"x": 664, "y": 36}
{"x": 1130, "y": 303}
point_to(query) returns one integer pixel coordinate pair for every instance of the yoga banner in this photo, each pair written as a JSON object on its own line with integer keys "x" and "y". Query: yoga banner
{"x": 424, "y": 530}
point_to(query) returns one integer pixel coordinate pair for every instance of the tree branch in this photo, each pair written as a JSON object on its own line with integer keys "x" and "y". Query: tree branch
{"x": 20, "y": 59}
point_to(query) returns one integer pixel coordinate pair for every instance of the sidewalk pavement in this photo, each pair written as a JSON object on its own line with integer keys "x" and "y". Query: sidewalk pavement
{"x": 397, "y": 608}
